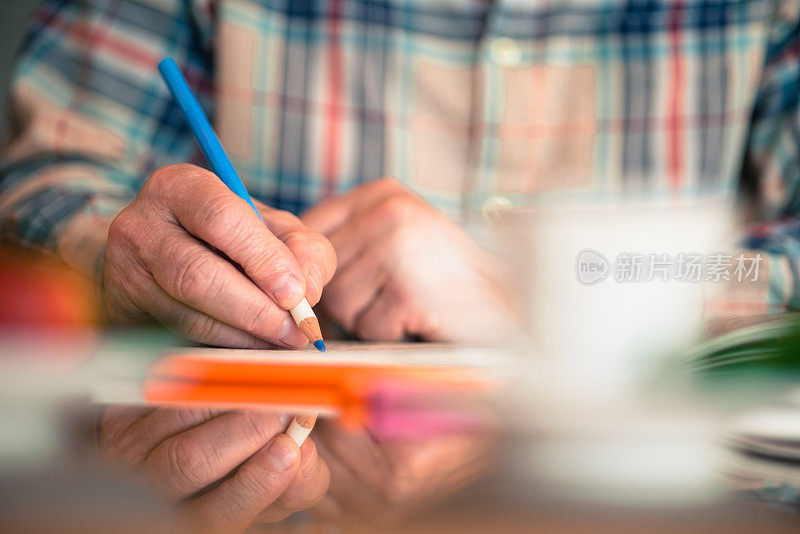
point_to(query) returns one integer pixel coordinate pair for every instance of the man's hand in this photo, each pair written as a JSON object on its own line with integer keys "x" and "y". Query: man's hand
{"x": 227, "y": 469}
{"x": 407, "y": 270}
{"x": 189, "y": 252}
{"x": 378, "y": 483}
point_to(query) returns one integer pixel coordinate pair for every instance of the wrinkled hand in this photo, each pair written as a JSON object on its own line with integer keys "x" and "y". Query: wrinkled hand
{"x": 226, "y": 469}
{"x": 407, "y": 270}
{"x": 171, "y": 254}
{"x": 377, "y": 483}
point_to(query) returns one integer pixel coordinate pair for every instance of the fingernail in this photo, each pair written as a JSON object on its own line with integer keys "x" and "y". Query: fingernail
{"x": 282, "y": 453}
{"x": 315, "y": 278}
{"x": 286, "y": 289}
{"x": 290, "y": 334}
{"x": 286, "y": 329}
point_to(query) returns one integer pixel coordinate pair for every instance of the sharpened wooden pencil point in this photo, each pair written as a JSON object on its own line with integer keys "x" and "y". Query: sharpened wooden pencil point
{"x": 307, "y": 322}
{"x": 310, "y": 327}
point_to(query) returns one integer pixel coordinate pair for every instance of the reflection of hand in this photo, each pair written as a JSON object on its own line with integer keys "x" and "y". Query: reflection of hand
{"x": 407, "y": 270}
{"x": 227, "y": 469}
{"x": 378, "y": 483}
{"x": 161, "y": 260}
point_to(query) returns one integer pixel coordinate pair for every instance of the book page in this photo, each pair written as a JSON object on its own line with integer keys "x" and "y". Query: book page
{"x": 362, "y": 352}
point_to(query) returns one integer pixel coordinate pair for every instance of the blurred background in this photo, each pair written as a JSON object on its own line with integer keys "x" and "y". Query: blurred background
{"x": 15, "y": 18}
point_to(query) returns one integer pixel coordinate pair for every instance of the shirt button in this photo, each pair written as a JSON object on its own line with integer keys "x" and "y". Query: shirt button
{"x": 494, "y": 207}
{"x": 505, "y": 52}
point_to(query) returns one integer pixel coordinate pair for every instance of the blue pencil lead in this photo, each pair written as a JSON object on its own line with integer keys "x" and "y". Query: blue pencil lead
{"x": 320, "y": 345}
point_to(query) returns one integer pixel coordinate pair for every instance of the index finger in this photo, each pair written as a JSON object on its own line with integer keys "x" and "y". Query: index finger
{"x": 206, "y": 208}
{"x": 192, "y": 460}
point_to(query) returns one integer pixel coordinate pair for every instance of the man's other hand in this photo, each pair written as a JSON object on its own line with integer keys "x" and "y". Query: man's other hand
{"x": 375, "y": 484}
{"x": 407, "y": 270}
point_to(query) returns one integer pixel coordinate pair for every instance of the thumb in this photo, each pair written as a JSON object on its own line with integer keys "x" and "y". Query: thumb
{"x": 258, "y": 482}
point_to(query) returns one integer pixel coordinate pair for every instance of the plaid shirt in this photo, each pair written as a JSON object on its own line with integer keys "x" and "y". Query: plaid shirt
{"x": 476, "y": 105}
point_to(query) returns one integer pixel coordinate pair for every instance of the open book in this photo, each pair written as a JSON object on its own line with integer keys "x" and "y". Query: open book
{"x": 768, "y": 342}
{"x": 761, "y": 458}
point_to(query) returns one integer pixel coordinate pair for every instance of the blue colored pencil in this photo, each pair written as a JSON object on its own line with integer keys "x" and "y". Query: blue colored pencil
{"x": 222, "y": 166}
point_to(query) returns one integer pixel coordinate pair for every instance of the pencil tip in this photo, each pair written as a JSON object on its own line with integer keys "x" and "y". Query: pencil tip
{"x": 320, "y": 345}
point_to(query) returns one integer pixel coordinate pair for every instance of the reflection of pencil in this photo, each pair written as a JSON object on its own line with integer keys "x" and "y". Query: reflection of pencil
{"x": 301, "y": 427}
{"x": 209, "y": 143}
{"x": 215, "y": 154}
